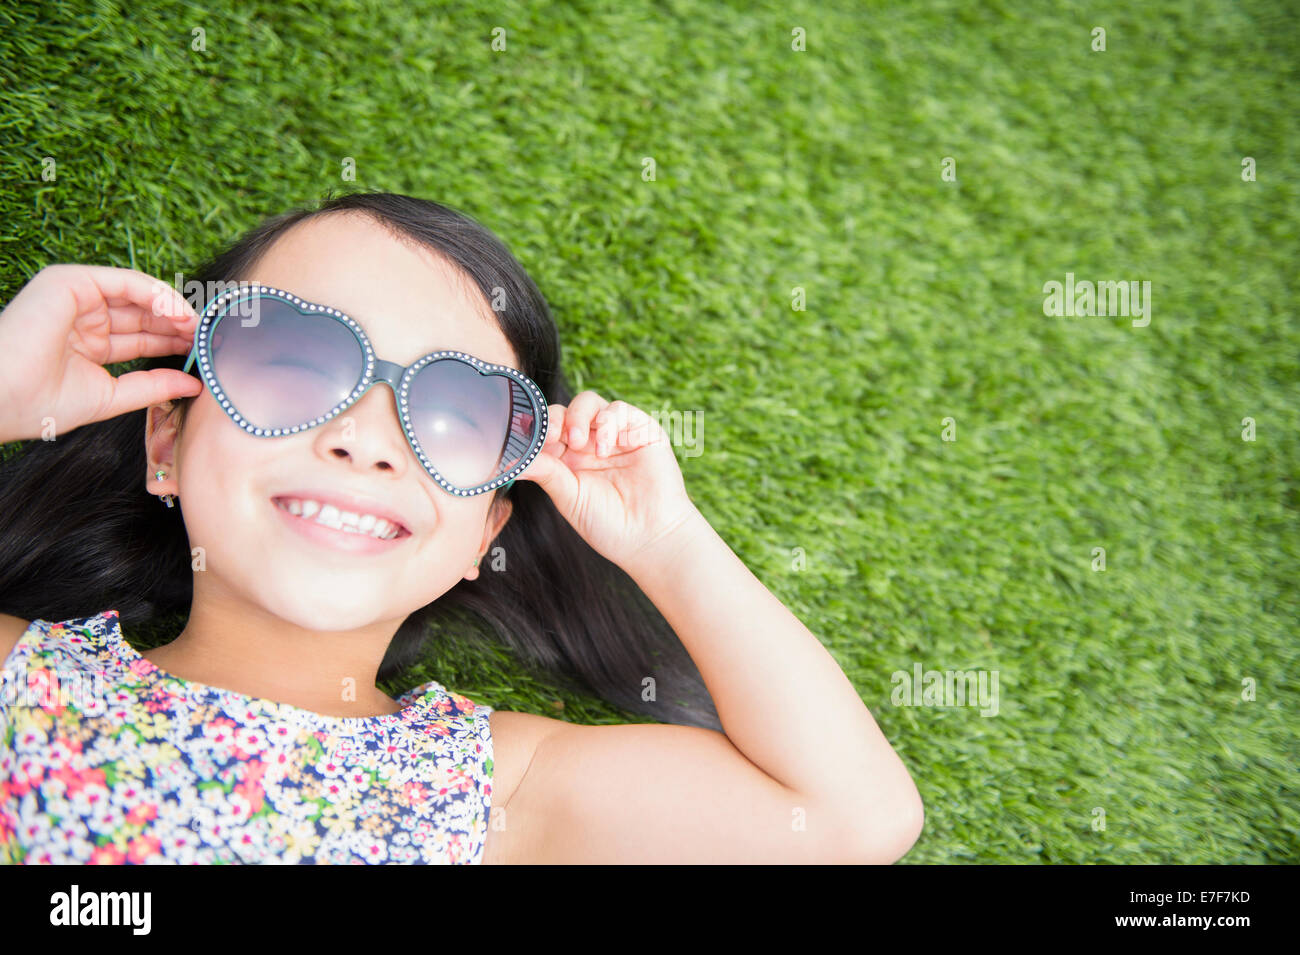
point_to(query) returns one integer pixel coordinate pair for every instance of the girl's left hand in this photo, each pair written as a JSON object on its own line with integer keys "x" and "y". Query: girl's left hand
{"x": 610, "y": 470}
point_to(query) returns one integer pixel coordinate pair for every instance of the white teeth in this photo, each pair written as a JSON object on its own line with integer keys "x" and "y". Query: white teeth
{"x": 349, "y": 522}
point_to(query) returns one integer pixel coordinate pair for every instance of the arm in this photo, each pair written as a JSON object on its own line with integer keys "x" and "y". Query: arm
{"x": 799, "y": 744}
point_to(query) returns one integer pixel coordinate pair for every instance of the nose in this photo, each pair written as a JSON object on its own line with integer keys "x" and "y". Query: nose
{"x": 369, "y": 434}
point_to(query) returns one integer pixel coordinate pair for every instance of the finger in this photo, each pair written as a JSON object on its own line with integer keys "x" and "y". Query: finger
{"x": 148, "y": 298}
{"x": 578, "y": 418}
{"x": 142, "y": 344}
{"x": 555, "y": 428}
{"x": 554, "y": 477}
{"x": 642, "y": 429}
{"x": 609, "y": 425}
{"x": 123, "y": 319}
{"x": 629, "y": 429}
{"x": 140, "y": 389}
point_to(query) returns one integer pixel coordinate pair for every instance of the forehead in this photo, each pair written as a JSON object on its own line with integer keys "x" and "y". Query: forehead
{"x": 407, "y": 298}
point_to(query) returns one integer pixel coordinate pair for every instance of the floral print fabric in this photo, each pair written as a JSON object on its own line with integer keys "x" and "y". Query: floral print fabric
{"x": 106, "y": 759}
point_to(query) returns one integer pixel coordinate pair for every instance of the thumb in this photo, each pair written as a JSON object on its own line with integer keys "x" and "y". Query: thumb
{"x": 140, "y": 389}
{"x": 554, "y": 477}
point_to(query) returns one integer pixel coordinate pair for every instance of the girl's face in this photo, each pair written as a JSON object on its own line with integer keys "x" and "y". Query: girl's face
{"x": 409, "y": 302}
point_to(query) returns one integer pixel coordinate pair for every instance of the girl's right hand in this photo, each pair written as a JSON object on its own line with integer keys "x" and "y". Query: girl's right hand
{"x": 66, "y": 324}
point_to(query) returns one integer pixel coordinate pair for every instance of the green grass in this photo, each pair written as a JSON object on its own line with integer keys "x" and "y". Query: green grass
{"x": 1120, "y": 690}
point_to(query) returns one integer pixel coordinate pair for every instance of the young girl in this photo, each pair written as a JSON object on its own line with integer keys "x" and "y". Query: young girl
{"x": 317, "y": 495}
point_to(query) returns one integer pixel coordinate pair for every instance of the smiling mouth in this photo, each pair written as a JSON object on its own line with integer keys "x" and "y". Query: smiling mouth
{"x": 335, "y": 518}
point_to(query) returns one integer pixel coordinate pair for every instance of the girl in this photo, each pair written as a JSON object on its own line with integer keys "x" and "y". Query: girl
{"x": 290, "y": 469}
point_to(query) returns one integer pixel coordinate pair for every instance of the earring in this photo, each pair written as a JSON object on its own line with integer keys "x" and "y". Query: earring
{"x": 476, "y": 560}
{"x": 168, "y": 499}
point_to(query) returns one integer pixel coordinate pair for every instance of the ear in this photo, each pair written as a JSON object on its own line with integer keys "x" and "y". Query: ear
{"x": 161, "y": 428}
{"x": 497, "y": 517}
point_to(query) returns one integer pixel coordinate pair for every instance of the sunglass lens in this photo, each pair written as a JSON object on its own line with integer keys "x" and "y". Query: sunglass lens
{"x": 474, "y": 427}
{"x": 280, "y": 368}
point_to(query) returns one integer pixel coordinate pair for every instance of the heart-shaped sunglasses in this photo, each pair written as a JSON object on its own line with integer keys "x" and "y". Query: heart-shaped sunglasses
{"x": 278, "y": 365}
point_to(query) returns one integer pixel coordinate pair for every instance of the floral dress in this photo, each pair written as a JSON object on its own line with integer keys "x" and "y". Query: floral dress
{"x": 106, "y": 759}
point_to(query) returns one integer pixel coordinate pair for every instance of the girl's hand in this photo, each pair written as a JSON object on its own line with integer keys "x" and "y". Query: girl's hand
{"x": 610, "y": 469}
{"x": 66, "y": 324}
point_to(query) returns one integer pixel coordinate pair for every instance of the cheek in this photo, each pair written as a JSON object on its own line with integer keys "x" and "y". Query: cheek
{"x": 446, "y": 552}
{"x": 216, "y": 494}
{"x": 219, "y": 468}
{"x": 226, "y": 478}
{"x": 454, "y": 535}
{"x": 212, "y": 449}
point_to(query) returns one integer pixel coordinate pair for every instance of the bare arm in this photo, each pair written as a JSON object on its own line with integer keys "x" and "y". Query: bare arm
{"x": 802, "y": 773}
{"x": 783, "y": 700}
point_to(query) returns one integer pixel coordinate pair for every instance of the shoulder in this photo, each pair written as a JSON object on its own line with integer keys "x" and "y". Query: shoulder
{"x": 515, "y": 739}
{"x": 80, "y": 642}
{"x": 513, "y": 736}
{"x": 11, "y": 631}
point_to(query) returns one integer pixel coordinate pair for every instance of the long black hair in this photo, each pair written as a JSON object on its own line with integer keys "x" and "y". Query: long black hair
{"x": 79, "y": 533}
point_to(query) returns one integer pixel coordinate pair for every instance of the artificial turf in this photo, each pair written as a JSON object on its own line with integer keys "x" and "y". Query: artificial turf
{"x": 825, "y": 462}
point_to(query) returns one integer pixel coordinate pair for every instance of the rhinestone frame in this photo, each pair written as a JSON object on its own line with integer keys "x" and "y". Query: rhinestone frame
{"x": 215, "y": 310}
